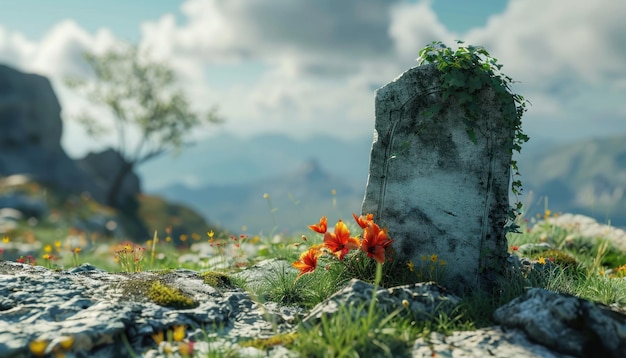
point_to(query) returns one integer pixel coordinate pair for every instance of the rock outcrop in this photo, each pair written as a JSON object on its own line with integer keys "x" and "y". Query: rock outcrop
{"x": 103, "y": 168}
{"x": 86, "y": 312}
{"x": 30, "y": 134}
{"x": 30, "y": 143}
{"x": 566, "y": 324}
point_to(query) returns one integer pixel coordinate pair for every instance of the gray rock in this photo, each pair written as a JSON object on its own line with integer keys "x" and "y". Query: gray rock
{"x": 26, "y": 205}
{"x": 426, "y": 176}
{"x": 8, "y": 219}
{"x": 103, "y": 168}
{"x": 566, "y": 324}
{"x": 30, "y": 134}
{"x": 99, "y": 309}
{"x": 487, "y": 342}
{"x": 423, "y": 300}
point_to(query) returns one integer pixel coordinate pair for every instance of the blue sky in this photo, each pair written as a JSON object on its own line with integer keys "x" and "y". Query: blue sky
{"x": 302, "y": 67}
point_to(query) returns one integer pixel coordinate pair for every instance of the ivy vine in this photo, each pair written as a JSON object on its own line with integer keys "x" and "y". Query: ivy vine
{"x": 464, "y": 73}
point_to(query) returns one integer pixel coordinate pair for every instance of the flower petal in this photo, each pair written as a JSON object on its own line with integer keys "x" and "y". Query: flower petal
{"x": 322, "y": 227}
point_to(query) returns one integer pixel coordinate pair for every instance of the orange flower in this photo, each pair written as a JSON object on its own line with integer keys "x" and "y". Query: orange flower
{"x": 375, "y": 241}
{"x": 308, "y": 260}
{"x": 321, "y": 227}
{"x": 363, "y": 220}
{"x": 340, "y": 241}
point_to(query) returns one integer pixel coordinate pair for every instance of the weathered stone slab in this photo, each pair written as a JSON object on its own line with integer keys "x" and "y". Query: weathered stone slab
{"x": 436, "y": 190}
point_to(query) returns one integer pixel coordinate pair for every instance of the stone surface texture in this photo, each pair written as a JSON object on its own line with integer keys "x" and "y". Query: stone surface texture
{"x": 487, "y": 342}
{"x": 566, "y": 324}
{"x": 93, "y": 307}
{"x": 435, "y": 190}
{"x": 101, "y": 310}
{"x": 423, "y": 300}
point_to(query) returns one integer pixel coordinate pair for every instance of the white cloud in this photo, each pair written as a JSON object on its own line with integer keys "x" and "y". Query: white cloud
{"x": 569, "y": 57}
{"x": 415, "y": 25}
{"x": 321, "y": 60}
{"x": 546, "y": 42}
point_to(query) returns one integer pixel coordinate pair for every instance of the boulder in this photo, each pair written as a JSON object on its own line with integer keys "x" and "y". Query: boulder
{"x": 566, "y": 324}
{"x": 30, "y": 134}
{"x": 423, "y": 300}
{"x": 28, "y": 206}
{"x": 103, "y": 168}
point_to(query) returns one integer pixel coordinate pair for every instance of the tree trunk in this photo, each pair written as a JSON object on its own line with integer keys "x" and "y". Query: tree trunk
{"x": 127, "y": 206}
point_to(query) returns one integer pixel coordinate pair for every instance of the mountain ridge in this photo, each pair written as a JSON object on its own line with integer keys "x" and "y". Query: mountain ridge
{"x": 569, "y": 175}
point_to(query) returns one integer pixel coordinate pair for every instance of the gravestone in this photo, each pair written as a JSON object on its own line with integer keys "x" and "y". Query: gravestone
{"x": 437, "y": 191}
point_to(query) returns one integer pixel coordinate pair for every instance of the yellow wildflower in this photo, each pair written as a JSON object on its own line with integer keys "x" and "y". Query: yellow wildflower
{"x": 433, "y": 258}
{"x": 5, "y": 239}
{"x": 179, "y": 333}
{"x": 47, "y": 249}
{"x": 67, "y": 342}
{"x": 541, "y": 260}
{"x": 38, "y": 347}
{"x": 411, "y": 266}
{"x": 157, "y": 337}
{"x": 547, "y": 213}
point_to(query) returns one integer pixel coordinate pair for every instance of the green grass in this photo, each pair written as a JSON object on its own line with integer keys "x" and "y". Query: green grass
{"x": 576, "y": 265}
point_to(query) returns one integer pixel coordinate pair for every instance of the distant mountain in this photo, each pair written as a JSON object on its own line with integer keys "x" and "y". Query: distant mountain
{"x": 225, "y": 178}
{"x": 296, "y": 199}
{"x": 587, "y": 177}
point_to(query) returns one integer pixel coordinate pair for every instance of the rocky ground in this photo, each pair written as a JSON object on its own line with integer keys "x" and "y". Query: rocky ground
{"x": 86, "y": 312}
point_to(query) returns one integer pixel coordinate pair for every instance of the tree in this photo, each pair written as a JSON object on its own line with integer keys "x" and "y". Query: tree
{"x": 142, "y": 96}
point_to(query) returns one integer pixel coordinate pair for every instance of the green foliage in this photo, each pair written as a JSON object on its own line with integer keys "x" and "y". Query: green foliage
{"x": 284, "y": 339}
{"x": 560, "y": 257}
{"x": 140, "y": 93}
{"x": 142, "y": 96}
{"x": 281, "y": 286}
{"x": 167, "y": 296}
{"x": 216, "y": 279}
{"x": 464, "y": 73}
